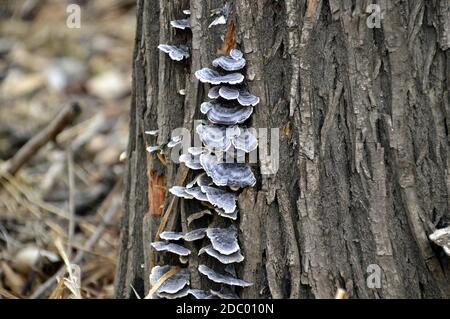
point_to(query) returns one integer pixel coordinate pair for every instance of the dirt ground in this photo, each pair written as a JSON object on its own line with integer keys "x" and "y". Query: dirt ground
{"x": 62, "y": 207}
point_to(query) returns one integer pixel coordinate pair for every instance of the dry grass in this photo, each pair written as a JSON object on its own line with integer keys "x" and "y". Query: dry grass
{"x": 59, "y": 215}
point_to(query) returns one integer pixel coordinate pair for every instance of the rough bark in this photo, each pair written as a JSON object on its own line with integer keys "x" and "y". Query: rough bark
{"x": 364, "y": 143}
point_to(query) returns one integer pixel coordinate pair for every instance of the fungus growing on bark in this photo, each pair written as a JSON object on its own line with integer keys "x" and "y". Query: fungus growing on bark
{"x": 174, "y": 52}
{"x": 217, "y": 137}
{"x": 184, "y": 259}
{"x": 227, "y": 174}
{"x": 236, "y": 257}
{"x": 222, "y": 279}
{"x": 180, "y": 24}
{"x": 175, "y": 141}
{"x": 441, "y": 237}
{"x": 171, "y": 247}
{"x": 196, "y": 192}
{"x": 224, "y": 294}
{"x": 204, "y": 180}
{"x": 221, "y": 198}
{"x": 230, "y": 105}
{"x": 245, "y": 141}
{"x": 197, "y": 150}
{"x": 200, "y": 180}
{"x": 228, "y": 63}
{"x": 221, "y": 15}
{"x": 217, "y": 21}
{"x": 236, "y": 54}
{"x": 223, "y": 240}
{"x": 228, "y": 92}
{"x": 242, "y": 96}
{"x": 180, "y": 294}
{"x": 200, "y": 294}
{"x": 173, "y": 284}
{"x": 207, "y": 75}
{"x": 196, "y": 234}
{"x": 152, "y": 132}
{"x": 171, "y": 235}
{"x": 198, "y": 215}
{"x": 233, "y": 215}
{"x": 152, "y": 149}
{"x": 213, "y": 92}
{"x": 226, "y": 114}
{"x": 191, "y": 161}
{"x": 180, "y": 191}
{"x": 247, "y": 99}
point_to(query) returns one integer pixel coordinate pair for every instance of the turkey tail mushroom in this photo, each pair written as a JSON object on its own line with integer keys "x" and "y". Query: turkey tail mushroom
{"x": 218, "y": 187}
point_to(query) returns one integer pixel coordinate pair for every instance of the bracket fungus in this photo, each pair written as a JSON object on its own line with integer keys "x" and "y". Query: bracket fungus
{"x": 441, "y": 237}
{"x": 214, "y": 93}
{"x": 221, "y": 198}
{"x": 171, "y": 247}
{"x": 200, "y": 180}
{"x": 219, "y": 113}
{"x": 175, "y": 141}
{"x": 173, "y": 284}
{"x": 153, "y": 149}
{"x": 236, "y": 257}
{"x": 228, "y": 92}
{"x": 200, "y": 294}
{"x": 230, "y": 105}
{"x": 223, "y": 240}
{"x": 191, "y": 161}
{"x": 222, "y": 279}
{"x": 207, "y": 75}
{"x": 152, "y": 132}
{"x": 242, "y": 96}
{"x": 233, "y": 215}
{"x": 247, "y": 99}
{"x": 204, "y": 180}
{"x": 180, "y": 191}
{"x": 180, "y": 294}
{"x": 181, "y": 24}
{"x": 245, "y": 141}
{"x": 195, "y": 234}
{"x": 224, "y": 294}
{"x": 236, "y": 54}
{"x": 197, "y": 150}
{"x": 196, "y": 192}
{"x": 217, "y": 21}
{"x": 227, "y": 174}
{"x": 217, "y": 137}
{"x": 229, "y": 64}
{"x": 221, "y": 15}
{"x": 171, "y": 235}
{"x": 175, "y": 53}
{"x": 195, "y": 216}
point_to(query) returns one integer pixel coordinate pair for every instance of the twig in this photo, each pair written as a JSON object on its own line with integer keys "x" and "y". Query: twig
{"x": 50, "y": 132}
{"x": 106, "y": 220}
{"x": 70, "y": 171}
{"x": 161, "y": 280}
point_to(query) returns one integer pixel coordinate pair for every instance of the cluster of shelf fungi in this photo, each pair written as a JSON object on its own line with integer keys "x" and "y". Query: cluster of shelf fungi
{"x": 218, "y": 181}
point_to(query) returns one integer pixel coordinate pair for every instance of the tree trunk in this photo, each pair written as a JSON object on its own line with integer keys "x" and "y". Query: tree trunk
{"x": 364, "y": 160}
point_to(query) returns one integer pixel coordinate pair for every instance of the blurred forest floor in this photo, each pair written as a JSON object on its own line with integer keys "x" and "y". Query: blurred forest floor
{"x": 63, "y": 206}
